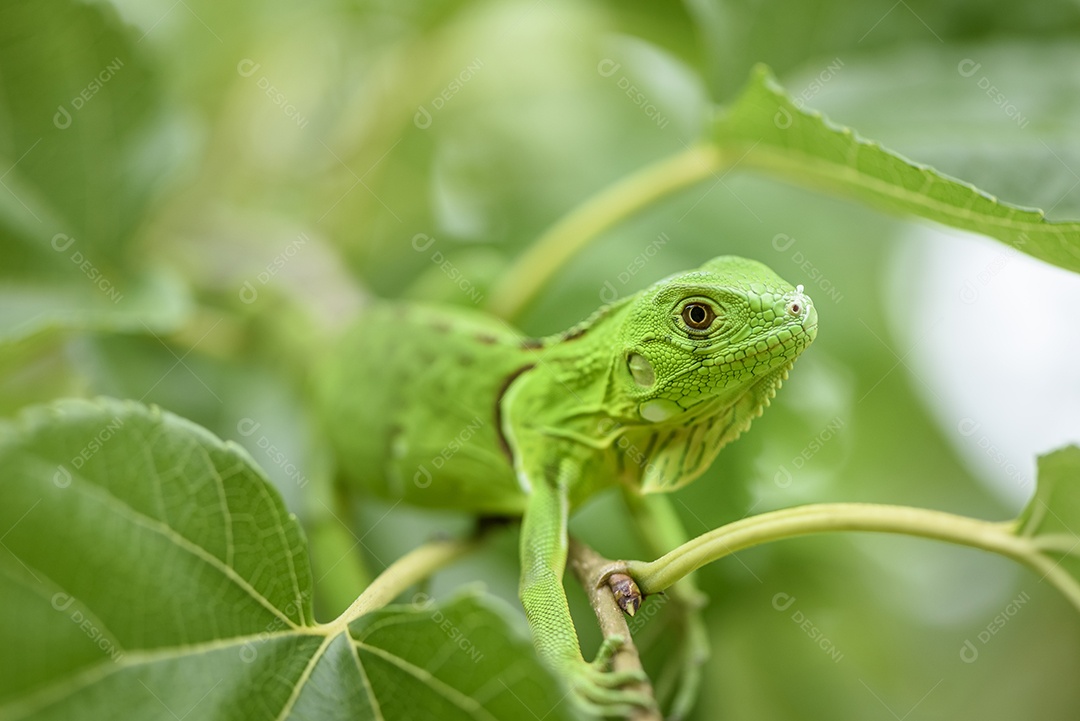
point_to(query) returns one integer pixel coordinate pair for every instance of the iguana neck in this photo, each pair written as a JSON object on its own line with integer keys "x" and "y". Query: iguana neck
{"x": 566, "y": 389}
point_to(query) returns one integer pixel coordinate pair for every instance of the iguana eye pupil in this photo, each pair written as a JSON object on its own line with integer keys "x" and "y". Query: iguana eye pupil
{"x": 795, "y": 309}
{"x": 698, "y": 315}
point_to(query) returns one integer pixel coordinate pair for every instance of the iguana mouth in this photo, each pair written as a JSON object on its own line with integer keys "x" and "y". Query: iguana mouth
{"x": 774, "y": 378}
{"x": 769, "y": 353}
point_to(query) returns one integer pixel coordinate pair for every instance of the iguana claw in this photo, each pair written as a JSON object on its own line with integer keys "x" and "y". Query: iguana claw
{"x": 598, "y": 689}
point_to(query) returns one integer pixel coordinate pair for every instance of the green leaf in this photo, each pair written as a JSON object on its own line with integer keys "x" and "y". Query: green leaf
{"x": 81, "y": 146}
{"x": 1052, "y": 520}
{"x": 150, "y": 571}
{"x": 765, "y": 130}
{"x": 986, "y": 113}
{"x": 155, "y": 301}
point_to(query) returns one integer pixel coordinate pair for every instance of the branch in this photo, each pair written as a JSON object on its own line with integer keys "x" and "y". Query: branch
{"x": 587, "y": 565}
{"x": 612, "y": 205}
{"x": 411, "y": 568}
{"x": 655, "y": 576}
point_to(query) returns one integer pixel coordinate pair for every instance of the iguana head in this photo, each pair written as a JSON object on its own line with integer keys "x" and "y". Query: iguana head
{"x": 702, "y": 354}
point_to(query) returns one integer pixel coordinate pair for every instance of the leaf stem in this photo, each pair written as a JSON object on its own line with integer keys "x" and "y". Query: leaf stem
{"x": 414, "y": 566}
{"x": 655, "y": 576}
{"x": 615, "y": 203}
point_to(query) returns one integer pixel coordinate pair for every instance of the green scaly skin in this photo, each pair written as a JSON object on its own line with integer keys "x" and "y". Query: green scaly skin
{"x": 447, "y": 408}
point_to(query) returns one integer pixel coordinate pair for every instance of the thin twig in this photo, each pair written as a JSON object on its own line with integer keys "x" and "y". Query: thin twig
{"x": 414, "y": 566}
{"x": 610, "y": 206}
{"x": 586, "y": 565}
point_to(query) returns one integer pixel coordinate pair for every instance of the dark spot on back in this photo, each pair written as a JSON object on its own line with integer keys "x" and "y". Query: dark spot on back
{"x": 532, "y": 343}
{"x": 503, "y": 443}
{"x": 486, "y": 339}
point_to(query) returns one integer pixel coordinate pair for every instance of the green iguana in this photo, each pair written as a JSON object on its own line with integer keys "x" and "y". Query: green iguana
{"x": 454, "y": 409}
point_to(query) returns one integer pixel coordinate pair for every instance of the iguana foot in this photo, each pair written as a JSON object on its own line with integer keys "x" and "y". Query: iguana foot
{"x": 598, "y": 689}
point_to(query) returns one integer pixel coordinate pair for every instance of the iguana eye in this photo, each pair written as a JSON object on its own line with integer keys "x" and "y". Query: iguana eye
{"x": 698, "y": 315}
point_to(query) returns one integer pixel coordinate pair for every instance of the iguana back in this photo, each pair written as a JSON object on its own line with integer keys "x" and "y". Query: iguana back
{"x": 414, "y": 397}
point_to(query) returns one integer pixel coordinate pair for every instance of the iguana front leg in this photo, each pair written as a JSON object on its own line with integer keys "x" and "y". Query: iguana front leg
{"x": 543, "y": 562}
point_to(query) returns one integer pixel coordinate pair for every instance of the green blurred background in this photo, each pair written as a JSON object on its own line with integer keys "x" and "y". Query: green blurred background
{"x": 197, "y": 194}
